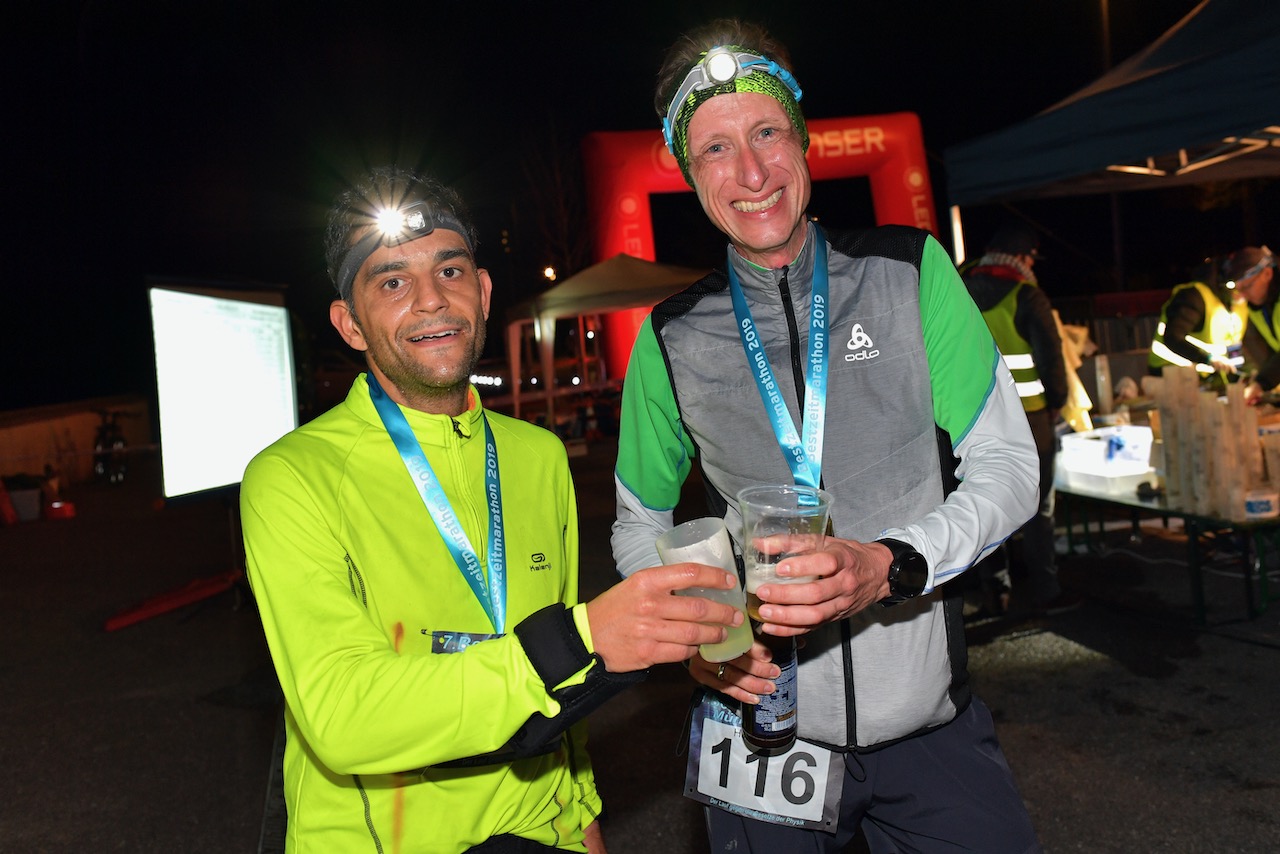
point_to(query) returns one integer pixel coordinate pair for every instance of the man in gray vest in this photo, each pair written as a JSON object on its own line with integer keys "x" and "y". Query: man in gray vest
{"x": 856, "y": 362}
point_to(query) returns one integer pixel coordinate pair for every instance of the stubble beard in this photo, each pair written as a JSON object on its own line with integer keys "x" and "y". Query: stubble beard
{"x": 426, "y": 389}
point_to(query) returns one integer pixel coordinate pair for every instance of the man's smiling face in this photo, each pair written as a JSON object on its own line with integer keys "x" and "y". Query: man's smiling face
{"x": 749, "y": 171}
{"x": 418, "y": 311}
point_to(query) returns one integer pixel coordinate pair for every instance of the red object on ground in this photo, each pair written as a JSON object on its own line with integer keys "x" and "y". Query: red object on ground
{"x": 59, "y": 510}
{"x": 194, "y": 591}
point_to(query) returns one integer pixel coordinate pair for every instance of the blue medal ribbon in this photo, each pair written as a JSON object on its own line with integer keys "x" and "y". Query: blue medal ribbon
{"x": 802, "y": 451}
{"x": 492, "y": 594}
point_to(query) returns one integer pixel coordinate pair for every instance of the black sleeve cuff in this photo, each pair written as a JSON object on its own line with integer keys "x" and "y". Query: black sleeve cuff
{"x": 550, "y": 638}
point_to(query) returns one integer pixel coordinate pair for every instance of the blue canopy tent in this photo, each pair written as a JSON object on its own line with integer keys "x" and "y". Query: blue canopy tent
{"x": 1201, "y": 103}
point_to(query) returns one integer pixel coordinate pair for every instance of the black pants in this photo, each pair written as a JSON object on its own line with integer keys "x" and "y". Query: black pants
{"x": 1037, "y": 533}
{"x": 947, "y": 791}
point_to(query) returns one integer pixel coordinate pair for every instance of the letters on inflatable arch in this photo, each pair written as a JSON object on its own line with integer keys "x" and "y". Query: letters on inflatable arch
{"x": 623, "y": 168}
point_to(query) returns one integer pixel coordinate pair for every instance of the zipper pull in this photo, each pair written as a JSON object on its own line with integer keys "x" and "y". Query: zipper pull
{"x": 457, "y": 429}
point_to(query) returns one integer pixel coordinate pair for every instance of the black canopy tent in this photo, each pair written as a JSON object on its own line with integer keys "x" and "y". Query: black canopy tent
{"x": 1201, "y": 103}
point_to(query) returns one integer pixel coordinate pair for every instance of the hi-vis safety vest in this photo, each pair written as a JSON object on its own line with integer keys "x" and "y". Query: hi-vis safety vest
{"x": 1221, "y": 329}
{"x": 1269, "y": 330}
{"x": 1015, "y": 349}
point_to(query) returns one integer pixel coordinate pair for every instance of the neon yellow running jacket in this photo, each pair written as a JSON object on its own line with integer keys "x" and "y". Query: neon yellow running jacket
{"x": 354, "y": 582}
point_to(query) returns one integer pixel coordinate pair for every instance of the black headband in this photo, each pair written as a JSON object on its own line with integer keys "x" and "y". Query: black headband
{"x": 391, "y": 228}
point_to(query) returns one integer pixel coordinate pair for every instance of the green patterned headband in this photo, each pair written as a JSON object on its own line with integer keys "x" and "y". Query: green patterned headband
{"x": 725, "y": 70}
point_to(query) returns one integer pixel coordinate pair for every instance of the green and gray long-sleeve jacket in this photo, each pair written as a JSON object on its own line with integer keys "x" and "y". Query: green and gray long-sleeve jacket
{"x": 917, "y": 397}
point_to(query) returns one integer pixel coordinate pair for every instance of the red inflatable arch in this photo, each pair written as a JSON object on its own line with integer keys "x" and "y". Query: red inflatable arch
{"x": 624, "y": 168}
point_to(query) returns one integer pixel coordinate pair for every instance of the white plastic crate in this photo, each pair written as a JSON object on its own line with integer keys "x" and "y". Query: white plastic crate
{"x": 1112, "y": 484}
{"x": 1109, "y": 459}
{"x": 1123, "y": 449}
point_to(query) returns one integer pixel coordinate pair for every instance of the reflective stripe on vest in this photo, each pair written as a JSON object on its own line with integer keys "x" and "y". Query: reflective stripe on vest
{"x": 1016, "y": 350}
{"x": 1221, "y": 328}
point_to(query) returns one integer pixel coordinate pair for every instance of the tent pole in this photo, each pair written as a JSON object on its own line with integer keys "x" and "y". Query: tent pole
{"x": 546, "y": 348}
{"x": 957, "y": 235}
{"x": 514, "y": 334}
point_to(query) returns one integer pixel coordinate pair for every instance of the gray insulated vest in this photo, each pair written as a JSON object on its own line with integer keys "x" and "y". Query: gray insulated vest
{"x": 884, "y": 673}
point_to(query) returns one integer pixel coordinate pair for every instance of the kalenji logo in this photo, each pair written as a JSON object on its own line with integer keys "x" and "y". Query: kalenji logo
{"x": 861, "y": 342}
{"x": 538, "y": 562}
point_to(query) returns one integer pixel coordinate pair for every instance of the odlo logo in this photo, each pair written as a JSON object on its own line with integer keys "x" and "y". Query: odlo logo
{"x": 860, "y": 342}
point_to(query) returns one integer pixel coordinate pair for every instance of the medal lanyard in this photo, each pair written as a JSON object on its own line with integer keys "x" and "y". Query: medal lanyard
{"x": 493, "y": 595}
{"x": 803, "y": 453}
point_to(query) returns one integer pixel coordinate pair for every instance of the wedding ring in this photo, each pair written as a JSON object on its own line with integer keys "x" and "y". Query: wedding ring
{"x": 720, "y": 672}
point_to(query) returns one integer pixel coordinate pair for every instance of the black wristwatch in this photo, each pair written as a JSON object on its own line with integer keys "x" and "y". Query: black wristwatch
{"x": 908, "y": 574}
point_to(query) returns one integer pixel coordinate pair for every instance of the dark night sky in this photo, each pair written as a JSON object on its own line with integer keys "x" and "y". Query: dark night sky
{"x": 206, "y": 139}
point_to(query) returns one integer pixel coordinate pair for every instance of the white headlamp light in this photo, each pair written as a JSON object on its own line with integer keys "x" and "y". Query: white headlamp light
{"x": 721, "y": 66}
{"x": 393, "y": 226}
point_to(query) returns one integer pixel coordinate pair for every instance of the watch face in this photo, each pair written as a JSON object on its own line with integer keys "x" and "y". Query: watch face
{"x": 914, "y": 574}
{"x": 908, "y": 572}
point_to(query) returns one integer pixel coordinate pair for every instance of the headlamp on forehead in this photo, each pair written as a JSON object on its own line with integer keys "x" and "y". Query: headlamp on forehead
{"x": 721, "y": 65}
{"x": 400, "y": 225}
{"x": 1264, "y": 262}
{"x": 393, "y": 226}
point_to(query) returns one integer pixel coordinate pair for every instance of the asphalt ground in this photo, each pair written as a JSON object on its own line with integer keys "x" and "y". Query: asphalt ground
{"x": 1130, "y": 728}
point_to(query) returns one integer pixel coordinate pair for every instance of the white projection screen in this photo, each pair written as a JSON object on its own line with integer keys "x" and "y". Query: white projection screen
{"x": 225, "y": 382}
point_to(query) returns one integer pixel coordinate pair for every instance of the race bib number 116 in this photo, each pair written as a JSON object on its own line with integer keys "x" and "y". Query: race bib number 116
{"x": 800, "y": 788}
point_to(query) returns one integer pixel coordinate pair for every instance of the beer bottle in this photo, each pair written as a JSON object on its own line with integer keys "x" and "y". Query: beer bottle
{"x": 769, "y": 727}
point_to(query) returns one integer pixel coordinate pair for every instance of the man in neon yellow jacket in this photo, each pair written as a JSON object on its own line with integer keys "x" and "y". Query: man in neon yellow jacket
{"x": 415, "y": 561}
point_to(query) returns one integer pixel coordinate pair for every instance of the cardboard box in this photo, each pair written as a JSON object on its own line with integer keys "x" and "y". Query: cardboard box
{"x": 26, "y": 502}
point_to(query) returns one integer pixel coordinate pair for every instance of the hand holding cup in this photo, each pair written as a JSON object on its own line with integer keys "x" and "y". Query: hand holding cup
{"x": 706, "y": 541}
{"x": 779, "y": 521}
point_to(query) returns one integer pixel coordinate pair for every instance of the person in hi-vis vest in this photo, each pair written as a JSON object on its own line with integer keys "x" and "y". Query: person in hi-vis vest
{"x": 1003, "y": 284}
{"x": 1251, "y": 273}
{"x": 1202, "y": 324}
